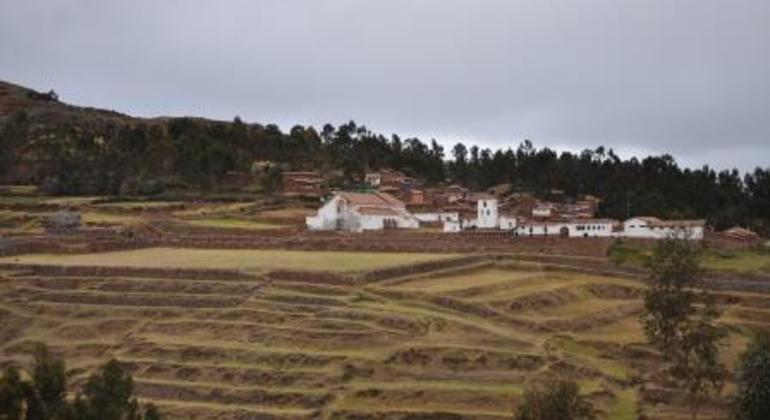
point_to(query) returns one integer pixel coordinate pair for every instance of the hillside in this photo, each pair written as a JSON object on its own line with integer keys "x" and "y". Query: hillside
{"x": 49, "y": 110}
{"x": 72, "y": 150}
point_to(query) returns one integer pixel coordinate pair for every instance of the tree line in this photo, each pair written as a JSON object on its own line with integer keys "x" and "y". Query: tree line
{"x": 145, "y": 156}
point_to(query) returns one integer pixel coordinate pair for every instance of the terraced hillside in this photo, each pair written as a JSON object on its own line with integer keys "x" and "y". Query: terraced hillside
{"x": 448, "y": 337}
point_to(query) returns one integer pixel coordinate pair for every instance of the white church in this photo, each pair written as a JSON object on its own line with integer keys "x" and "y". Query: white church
{"x": 358, "y": 212}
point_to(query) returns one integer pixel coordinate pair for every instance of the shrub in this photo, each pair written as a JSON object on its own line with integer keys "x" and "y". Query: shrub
{"x": 557, "y": 400}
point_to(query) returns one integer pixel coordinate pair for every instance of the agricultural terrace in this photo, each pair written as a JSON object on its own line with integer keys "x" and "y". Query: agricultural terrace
{"x": 247, "y": 260}
{"x": 744, "y": 261}
{"x": 455, "y": 338}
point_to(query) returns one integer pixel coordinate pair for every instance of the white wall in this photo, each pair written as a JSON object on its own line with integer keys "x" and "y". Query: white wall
{"x": 374, "y": 180}
{"x": 436, "y": 217}
{"x": 639, "y": 228}
{"x": 590, "y": 229}
{"x": 370, "y": 222}
{"x": 326, "y": 218}
{"x": 550, "y": 229}
{"x": 507, "y": 223}
{"x": 487, "y": 214}
{"x": 452, "y": 226}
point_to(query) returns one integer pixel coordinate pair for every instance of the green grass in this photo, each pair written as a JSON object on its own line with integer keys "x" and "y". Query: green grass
{"x": 233, "y": 224}
{"x": 588, "y": 355}
{"x": 136, "y": 205}
{"x": 27, "y": 190}
{"x": 629, "y": 253}
{"x": 624, "y": 407}
{"x": 751, "y": 261}
{"x": 740, "y": 261}
{"x": 109, "y": 219}
{"x": 252, "y": 260}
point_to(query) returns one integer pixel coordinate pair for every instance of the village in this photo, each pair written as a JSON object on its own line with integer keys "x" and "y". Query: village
{"x": 394, "y": 201}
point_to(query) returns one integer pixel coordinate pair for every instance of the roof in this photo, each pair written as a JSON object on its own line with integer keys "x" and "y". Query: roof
{"x": 387, "y": 189}
{"x": 299, "y": 173}
{"x": 480, "y": 196}
{"x": 377, "y": 211}
{"x": 591, "y": 220}
{"x": 738, "y": 232}
{"x": 647, "y": 219}
{"x": 655, "y": 222}
{"x": 455, "y": 187}
{"x": 386, "y": 171}
{"x": 372, "y": 199}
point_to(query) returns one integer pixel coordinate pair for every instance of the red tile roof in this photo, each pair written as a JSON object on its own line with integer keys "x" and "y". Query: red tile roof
{"x": 377, "y": 211}
{"x": 372, "y": 199}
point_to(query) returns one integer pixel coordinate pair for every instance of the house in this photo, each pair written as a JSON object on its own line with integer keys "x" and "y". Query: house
{"x": 414, "y": 197}
{"x": 455, "y": 193}
{"x": 479, "y": 211}
{"x": 577, "y": 228}
{"x": 734, "y": 238}
{"x": 387, "y": 178}
{"x": 358, "y": 212}
{"x": 654, "y": 228}
{"x": 543, "y": 210}
{"x": 308, "y": 183}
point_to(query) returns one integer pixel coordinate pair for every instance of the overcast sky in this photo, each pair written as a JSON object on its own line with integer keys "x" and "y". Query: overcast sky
{"x": 686, "y": 77}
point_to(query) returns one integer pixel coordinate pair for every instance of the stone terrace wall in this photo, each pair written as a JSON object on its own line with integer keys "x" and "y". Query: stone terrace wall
{"x": 94, "y": 271}
{"x": 419, "y": 268}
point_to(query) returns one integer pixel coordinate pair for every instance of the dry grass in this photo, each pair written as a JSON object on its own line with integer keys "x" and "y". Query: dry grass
{"x": 139, "y": 205}
{"x": 463, "y": 281}
{"x": 233, "y": 259}
{"x": 432, "y": 346}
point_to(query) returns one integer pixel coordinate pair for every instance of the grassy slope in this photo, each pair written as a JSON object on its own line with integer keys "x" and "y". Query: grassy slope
{"x": 740, "y": 261}
{"x": 234, "y": 259}
{"x": 304, "y": 341}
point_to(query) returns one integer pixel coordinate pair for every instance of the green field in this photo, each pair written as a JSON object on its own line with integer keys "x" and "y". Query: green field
{"x": 251, "y": 260}
{"x": 751, "y": 261}
{"x": 233, "y": 224}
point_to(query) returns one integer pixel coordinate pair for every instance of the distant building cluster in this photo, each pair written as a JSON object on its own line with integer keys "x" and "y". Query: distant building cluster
{"x": 395, "y": 203}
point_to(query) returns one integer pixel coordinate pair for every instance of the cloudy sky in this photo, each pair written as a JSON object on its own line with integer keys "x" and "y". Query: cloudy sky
{"x": 687, "y": 77}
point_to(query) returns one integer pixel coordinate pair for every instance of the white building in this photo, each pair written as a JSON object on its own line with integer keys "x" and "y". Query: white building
{"x": 373, "y": 178}
{"x": 437, "y": 216}
{"x": 542, "y": 210}
{"x": 576, "y": 228}
{"x": 486, "y": 216}
{"x": 654, "y": 228}
{"x": 358, "y": 212}
{"x": 486, "y": 211}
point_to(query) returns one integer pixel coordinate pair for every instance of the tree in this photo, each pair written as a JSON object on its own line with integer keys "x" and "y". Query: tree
{"x": 555, "y": 401}
{"x": 49, "y": 386}
{"x": 753, "y": 398}
{"x": 271, "y": 180}
{"x": 151, "y": 412}
{"x": 108, "y": 395}
{"x": 12, "y": 393}
{"x": 679, "y": 319}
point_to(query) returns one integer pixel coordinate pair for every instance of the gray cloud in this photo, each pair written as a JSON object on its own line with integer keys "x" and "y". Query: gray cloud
{"x": 687, "y": 77}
